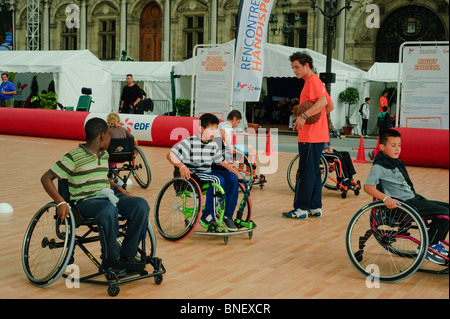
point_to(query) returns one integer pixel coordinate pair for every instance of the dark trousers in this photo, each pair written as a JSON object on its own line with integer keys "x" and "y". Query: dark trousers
{"x": 308, "y": 189}
{"x": 134, "y": 209}
{"x": 431, "y": 209}
{"x": 364, "y": 126}
{"x": 230, "y": 185}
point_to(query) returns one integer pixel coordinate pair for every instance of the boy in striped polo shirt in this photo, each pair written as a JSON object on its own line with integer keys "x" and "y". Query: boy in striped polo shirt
{"x": 98, "y": 197}
{"x": 196, "y": 154}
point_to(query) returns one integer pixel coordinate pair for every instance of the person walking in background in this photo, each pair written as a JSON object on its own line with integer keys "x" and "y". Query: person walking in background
{"x": 365, "y": 111}
{"x": 7, "y": 92}
{"x": 383, "y": 100}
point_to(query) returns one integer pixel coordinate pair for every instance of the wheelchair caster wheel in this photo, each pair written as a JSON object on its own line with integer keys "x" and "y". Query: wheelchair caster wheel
{"x": 250, "y": 235}
{"x": 113, "y": 290}
{"x": 344, "y": 194}
{"x": 158, "y": 279}
{"x": 225, "y": 239}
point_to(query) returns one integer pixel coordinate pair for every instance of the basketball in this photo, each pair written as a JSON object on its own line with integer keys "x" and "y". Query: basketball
{"x": 306, "y": 106}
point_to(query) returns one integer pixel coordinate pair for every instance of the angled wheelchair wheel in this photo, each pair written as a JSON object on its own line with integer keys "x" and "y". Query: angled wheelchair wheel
{"x": 177, "y": 208}
{"x": 292, "y": 171}
{"x": 47, "y": 246}
{"x": 141, "y": 169}
{"x": 386, "y": 244}
{"x": 241, "y": 163}
{"x": 243, "y": 207}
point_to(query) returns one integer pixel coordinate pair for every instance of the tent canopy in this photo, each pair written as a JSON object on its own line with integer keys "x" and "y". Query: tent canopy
{"x": 72, "y": 70}
{"x": 277, "y": 65}
{"x": 383, "y": 72}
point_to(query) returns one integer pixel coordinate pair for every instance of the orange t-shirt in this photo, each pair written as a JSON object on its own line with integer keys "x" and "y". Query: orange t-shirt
{"x": 317, "y": 132}
{"x": 383, "y": 102}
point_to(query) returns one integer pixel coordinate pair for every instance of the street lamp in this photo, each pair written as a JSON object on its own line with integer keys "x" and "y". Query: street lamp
{"x": 287, "y": 28}
{"x": 331, "y": 14}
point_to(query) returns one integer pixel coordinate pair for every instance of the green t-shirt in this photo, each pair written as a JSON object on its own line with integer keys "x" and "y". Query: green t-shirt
{"x": 85, "y": 172}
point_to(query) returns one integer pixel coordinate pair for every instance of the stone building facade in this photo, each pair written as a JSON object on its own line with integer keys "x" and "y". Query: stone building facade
{"x": 167, "y": 30}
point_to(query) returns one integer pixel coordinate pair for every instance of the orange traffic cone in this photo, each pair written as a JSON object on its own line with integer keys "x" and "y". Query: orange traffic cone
{"x": 361, "y": 158}
{"x": 269, "y": 148}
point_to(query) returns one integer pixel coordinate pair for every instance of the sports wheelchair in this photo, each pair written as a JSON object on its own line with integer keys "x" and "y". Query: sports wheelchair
{"x": 49, "y": 246}
{"x": 179, "y": 205}
{"x": 124, "y": 156}
{"x": 332, "y": 175}
{"x": 389, "y": 245}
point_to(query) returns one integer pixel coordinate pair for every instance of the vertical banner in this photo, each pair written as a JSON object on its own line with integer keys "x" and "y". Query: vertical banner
{"x": 249, "y": 58}
{"x": 425, "y": 79}
{"x": 213, "y": 70}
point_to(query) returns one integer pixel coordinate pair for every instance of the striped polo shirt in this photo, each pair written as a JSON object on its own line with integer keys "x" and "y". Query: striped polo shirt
{"x": 197, "y": 155}
{"x": 85, "y": 172}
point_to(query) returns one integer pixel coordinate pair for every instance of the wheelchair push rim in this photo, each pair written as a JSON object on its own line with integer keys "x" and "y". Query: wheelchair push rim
{"x": 387, "y": 245}
{"x": 47, "y": 246}
{"x": 293, "y": 169}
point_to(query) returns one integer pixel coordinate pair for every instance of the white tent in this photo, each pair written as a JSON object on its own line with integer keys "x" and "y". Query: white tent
{"x": 154, "y": 76}
{"x": 72, "y": 70}
{"x": 379, "y": 77}
{"x": 277, "y": 64}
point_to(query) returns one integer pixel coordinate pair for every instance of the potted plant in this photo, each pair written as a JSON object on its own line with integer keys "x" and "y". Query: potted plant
{"x": 183, "y": 107}
{"x": 350, "y": 96}
{"x": 46, "y": 100}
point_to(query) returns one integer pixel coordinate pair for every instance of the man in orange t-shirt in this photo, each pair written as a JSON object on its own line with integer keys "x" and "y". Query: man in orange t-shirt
{"x": 311, "y": 139}
{"x": 383, "y": 100}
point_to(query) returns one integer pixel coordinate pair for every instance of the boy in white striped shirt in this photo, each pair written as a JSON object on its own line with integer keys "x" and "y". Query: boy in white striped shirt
{"x": 197, "y": 154}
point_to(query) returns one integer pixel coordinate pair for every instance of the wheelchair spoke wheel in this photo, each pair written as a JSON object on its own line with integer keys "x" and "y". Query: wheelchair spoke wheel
{"x": 241, "y": 163}
{"x": 243, "y": 213}
{"x": 386, "y": 244}
{"x": 177, "y": 208}
{"x": 47, "y": 246}
{"x": 292, "y": 171}
{"x": 141, "y": 169}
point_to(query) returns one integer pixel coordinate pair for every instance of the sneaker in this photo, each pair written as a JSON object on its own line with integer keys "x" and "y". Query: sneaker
{"x": 209, "y": 221}
{"x": 431, "y": 256}
{"x": 131, "y": 264}
{"x": 316, "y": 212}
{"x": 440, "y": 249}
{"x": 296, "y": 214}
{"x": 114, "y": 266}
{"x": 229, "y": 223}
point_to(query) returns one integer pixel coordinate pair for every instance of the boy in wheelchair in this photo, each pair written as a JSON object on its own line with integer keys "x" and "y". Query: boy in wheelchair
{"x": 390, "y": 174}
{"x": 197, "y": 154}
{"x": 95, "y": 196}
{"x": 345, "y": 170}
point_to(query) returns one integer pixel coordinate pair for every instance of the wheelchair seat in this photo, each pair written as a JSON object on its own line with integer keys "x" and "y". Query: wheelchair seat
{"x": 121, "y": 150}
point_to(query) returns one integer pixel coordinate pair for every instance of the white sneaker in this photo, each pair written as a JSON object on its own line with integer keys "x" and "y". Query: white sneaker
{"x": 296, "y": 214}
{"x": 316, "y": 212}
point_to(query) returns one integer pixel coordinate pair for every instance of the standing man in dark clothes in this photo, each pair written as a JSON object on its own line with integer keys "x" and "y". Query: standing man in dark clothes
{"x": 131, "y": 96}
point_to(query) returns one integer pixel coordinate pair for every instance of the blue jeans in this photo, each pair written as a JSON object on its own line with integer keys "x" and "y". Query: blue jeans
{"x": 134, "y": 209}
{"x": 229, "y": 183}
{"x": 308, "y": 189}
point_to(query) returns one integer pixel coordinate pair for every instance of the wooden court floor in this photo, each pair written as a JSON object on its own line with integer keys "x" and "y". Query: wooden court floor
{"x": 285, "y": 259}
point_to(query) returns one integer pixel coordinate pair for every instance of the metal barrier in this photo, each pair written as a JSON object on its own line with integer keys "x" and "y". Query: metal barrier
{"x": 160, "y": 107}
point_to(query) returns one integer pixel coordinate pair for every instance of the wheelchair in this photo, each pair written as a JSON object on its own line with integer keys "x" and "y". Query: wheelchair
{"x": 124, "y": 156}
{"x": 389, "y": 245}
{"x": 49, "y": 246}
{"x": 179, "y": 205}
{"x": 331, "y": 174}
{"x": 246, "y": 168}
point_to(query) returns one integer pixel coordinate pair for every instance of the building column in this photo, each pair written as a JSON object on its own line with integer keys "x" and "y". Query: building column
{"x": 123, "y": 26}
{"x": 213, "y": 21}
{"x": 319, "y": 28}
{"x": 340, "y": 32}
{"x": 46, "y": 29}
{"x": 166, "y": 34}
{"x": 83, "y": 25}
